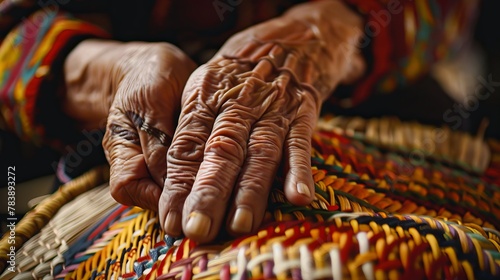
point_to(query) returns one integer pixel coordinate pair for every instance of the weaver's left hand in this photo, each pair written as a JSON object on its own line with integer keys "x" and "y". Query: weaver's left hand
{"x": 255, "y": 103}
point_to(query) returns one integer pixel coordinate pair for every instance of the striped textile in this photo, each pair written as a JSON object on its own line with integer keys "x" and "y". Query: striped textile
{"x": 375, "y": 216}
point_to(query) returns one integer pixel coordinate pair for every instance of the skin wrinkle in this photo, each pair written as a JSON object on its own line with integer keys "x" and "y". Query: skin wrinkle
{"x": 264, "y": 141}
{"x": 124, "y": 133}
{"x": 140, "y": 124}
{"x": 248, "y": 104}
{"x": 322, "y": 81}
{"x": 190, "y": 156}
{"x": 289, "y": 71}
{"x": 255, "y": 77}
{"x": 194, "y": 125}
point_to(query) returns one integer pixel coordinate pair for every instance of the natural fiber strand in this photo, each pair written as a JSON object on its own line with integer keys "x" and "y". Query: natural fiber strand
{"x": 46, "y": 249}
{"x": 37, "y": 218}
{"x": 377, "y": 215}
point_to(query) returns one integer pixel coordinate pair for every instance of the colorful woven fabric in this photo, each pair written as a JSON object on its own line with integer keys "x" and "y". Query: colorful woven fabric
{"x": 375, "y": 216}
{"x": 347, "y": 246}
{"x": 31, "y": 58}
{"x": 405, "y": 38}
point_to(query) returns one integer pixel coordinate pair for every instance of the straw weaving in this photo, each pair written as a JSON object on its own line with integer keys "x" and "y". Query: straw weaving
{"x": 381, "y": 212}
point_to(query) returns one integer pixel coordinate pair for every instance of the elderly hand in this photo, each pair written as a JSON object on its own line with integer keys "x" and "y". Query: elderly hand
{"x": 137, "y": 87}
{"x": 250, "y": 107}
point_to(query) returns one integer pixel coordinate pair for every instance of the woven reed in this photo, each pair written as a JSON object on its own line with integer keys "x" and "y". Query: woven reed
{"x": 470, "y": 153}
{"x": 45, "y": 251}
{"x": 37, "y": 218}
{"x": 376, "y": 215}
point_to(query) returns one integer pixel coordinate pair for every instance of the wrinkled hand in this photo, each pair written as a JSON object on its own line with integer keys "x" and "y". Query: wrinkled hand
{"x": 137, "y": 87}
{"x": 255, "y": 103}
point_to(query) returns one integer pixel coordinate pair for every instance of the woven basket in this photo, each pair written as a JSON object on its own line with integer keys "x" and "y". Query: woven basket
{"x": 378, "y": 214}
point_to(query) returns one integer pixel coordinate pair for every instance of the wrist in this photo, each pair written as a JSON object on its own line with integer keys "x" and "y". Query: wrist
{"x": 339, "y": 29}
{"x": 91, "y": 80}
{"x": 97, "y": 72}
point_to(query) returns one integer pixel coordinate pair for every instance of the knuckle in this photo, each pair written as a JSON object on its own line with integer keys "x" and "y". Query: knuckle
{"x": 304, "y": 123}
{"x": 272, "y": 125}
{"x": 299, "y": 143}
{"x": 185, "y": 151}
{"x": 209, "y": 194}
{"x": 301, "y": 162}
{"x": 281, "y": 122}
{"x": 237, "y": 115}
{"x": 226, "y": 147}
{"x": 194, "y": 119}
{"x": 264, "y": 149}
{"x": 202, "y": 86}
{"x": 175, "y": 194}
{"x": 180, "y": 178}
{"x": 305, "y": 96}
{"x": 231, "y": 130}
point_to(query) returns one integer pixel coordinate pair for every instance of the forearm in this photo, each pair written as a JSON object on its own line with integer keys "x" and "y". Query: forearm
{"x": 338, "y": 30}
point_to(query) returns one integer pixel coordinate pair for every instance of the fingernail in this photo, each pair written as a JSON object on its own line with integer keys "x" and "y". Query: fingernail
{"x": 198, "y": 225}
{"x": 173, "y": 223}
{"x": 242, "y": 221}
{"x": 303, "y": 189}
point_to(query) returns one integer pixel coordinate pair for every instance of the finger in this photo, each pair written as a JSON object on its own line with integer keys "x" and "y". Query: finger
{"x": 151, "y": 111}
{"x": 186, "y": 150}
{"x": 154, "y": 143}
{"x": 130, "y": 181}
{"x": 225, "y": 151}
{"x": 183, "y": 160}
{"x": 299, "y": 185}
{"x": 264, "y": 153}
{"x": 224, "y": 155}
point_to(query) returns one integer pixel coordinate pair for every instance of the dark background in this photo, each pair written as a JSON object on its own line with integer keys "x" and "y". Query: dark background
{"x": 426, "y": 101}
